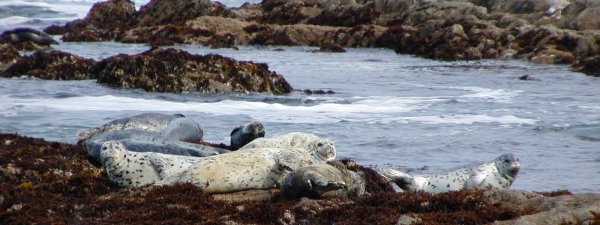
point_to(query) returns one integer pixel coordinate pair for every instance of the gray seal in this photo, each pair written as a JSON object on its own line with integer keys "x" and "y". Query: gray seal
{"x": 28, "y": 34}
{"x": 145, "y": 141}
{"x": 499, "y": 174}
{"x": 175, "y": 126}
{"x": 244, "y": 134}
{"x": 328, "y": 179}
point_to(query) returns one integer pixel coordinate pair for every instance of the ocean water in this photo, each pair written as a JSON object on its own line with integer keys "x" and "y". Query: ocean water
{"x": 388, "y": 110}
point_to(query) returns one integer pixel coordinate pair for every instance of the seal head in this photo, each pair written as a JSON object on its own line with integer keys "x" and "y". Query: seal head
{"x": 508, "y": 166}
{"x": 244, "y": 134}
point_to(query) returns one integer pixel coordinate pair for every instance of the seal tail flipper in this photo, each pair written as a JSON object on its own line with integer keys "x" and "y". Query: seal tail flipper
{"x": 402, "y": 179}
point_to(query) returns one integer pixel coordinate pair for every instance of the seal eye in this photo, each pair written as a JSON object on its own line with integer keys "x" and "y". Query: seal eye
{"x": 320, "y": 145}
{"x": 507, "y": 160}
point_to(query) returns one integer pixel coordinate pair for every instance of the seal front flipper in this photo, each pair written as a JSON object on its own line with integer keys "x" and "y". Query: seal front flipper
{"x": 402, "y": 179}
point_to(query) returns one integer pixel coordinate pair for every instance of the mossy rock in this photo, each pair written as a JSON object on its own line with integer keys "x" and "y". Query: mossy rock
{"x": 173, "y": 70}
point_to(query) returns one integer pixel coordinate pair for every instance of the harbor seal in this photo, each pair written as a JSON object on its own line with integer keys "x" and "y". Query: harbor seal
{"x": 328, "y": 179}
{"x": 499, "y": 173}
{"x": 175, "y": 126}
{"x": 244, "y": 134}
{"x": 144, "y": 141}
{"x": 127, "y": 168}
{"x": 27, "y": 34}
{"x": 290, "y": 140}
{"x": 252, "y": 168}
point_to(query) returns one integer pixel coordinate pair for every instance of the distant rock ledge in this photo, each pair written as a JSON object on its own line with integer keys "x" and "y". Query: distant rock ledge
{"x": 157, "y": 70}
{"x": 541, "y": 31}
{"x": 51, "y": 182}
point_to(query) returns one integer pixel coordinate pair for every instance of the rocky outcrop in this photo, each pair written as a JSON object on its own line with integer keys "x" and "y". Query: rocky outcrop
{"x": 105, "y": 21}
{"x": 168, "y": 70}
{"x": 174, "y": 70}
{"x": 8, "y": 55}
{"x": 52, "y": 65}
{"x": 160, "y": 12}
{"x": 535, "y": 30}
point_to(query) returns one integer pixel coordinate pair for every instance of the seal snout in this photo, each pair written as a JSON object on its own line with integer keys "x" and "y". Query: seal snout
{"x": 111, "y": 150}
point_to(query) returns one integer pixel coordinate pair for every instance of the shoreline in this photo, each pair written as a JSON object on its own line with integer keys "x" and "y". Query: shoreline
{"x": 55, "y": 182}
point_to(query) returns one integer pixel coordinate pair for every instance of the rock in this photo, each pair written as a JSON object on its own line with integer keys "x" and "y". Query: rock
{"x": 317, "y": 92}
{"x": 160, "y": 12}
{"x": 408, "y": 220}
{"x": 52, "y": 65}
{"x": 590, "y": 66}
{"x": 345, "y": 15}
{"x": 8, "y": 55}
{"x": 328, "y": 45}
{"x": 518, "y": 6}
{"x": 563, "y": 209}
{"x": 174, "y": 70}
{"x": 105, "y": 21}
{"x": 527, "y": 77}
{"x": 286, "y": 12}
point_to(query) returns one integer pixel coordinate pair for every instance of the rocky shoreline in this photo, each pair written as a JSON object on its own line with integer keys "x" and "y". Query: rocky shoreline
{"x": 436, "y": 29}
{"x": 51, "y": 182}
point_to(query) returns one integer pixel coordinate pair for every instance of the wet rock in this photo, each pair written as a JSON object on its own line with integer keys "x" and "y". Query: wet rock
{"x": 8, "y": 55}
{"x": 52, "y": 65}
{"x": 174, "y": 70}
{"x": 528, "y": 77}
{"x": 317, "y": 92}
{"x": 105, "y": 21}
{"x": 329, "y": 46}
{"x": 345, "y": 15}
{"x": 160, "y": 12}
{"x": 286, "y": 12}
{"x": 590, "y": 66}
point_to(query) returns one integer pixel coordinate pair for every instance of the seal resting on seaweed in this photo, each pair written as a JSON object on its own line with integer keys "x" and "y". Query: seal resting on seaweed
{"x": 127, "y": 168}
{"x": 499, "y": 173}
{"x": 244, "y": 134}
{"x": 175, "y": 126}
{"x": 28, "y": 34}
{"x": 328, "y": 179}
{"x": 253, "y": 168}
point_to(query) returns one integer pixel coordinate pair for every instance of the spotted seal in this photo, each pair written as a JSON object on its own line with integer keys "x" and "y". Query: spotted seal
{"x": 127, "y": 168}
{"x": 175, "y": 126}
{"x": 144, "y": 141}
{"x": 328, "y": 179}
{"x": 290, "y": 140}
{"x": 252, "y": 168}
{"x": 244, "y": 134}
{"x": 499, "y": 173}
{"x": 27, "y": 34}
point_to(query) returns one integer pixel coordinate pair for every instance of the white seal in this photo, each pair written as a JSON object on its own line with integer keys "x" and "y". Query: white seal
{"x": 126, "y": 168}
{"x": 499, "y": 173}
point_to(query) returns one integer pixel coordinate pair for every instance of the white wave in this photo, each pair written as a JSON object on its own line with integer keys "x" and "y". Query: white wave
{"x": 499, "y": 95}
{"x": 464, "y": 119}
{"x": 371, "y": 109}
